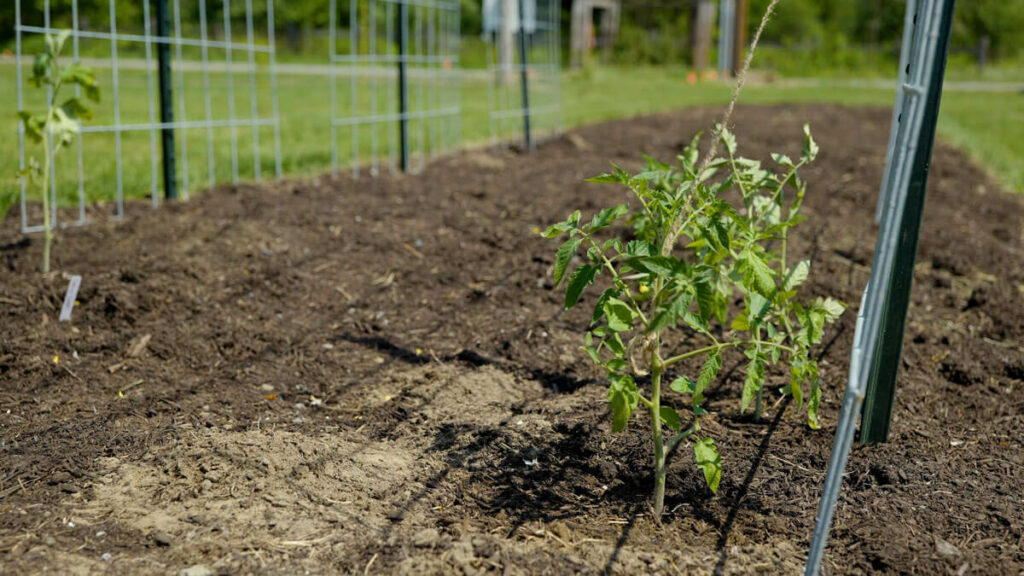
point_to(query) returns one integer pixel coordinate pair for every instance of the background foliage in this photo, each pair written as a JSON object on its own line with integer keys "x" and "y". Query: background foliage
{"x": 807, "y": 37}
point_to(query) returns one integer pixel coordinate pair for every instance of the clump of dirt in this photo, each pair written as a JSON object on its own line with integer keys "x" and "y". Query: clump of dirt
{"x": 377, "y": 377}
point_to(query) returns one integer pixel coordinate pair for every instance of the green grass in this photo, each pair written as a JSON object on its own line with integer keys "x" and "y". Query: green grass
{"x": 986, "y": 125}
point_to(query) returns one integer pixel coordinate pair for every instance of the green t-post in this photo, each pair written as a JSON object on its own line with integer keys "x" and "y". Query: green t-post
{"x": 881, "y": 390}
{"x": 163, "y": 54}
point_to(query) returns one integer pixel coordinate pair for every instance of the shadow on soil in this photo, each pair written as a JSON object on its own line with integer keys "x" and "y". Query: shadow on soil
{"x": 553, "y": 381}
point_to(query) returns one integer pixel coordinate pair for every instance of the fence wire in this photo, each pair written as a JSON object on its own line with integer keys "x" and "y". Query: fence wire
{"x": 523, "y": 65}
{"x": 211, "y": 57}
{"x": 394, "y": 83}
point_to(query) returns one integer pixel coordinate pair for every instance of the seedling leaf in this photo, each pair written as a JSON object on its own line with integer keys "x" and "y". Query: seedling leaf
{"x": 709, "y": 462}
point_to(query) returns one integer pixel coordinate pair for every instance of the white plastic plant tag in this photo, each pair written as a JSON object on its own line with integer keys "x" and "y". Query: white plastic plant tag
{"x": 69, "y": 298}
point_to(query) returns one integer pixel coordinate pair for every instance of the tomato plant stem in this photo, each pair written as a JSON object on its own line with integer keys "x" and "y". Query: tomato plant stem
{"x": 721, "y": 346}
{"x": 47, "y": 229}
{"x": 659, "y": 446}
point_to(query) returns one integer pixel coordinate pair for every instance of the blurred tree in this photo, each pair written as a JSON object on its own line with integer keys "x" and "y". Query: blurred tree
{"x": 1002, "y": 21}
{"x": 652, "y": 31}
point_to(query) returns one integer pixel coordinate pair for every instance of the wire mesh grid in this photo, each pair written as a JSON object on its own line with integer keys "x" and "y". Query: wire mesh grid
{"x": 394, "y": 83}
{"x": 523, "y": 66}
{"x": 121, "y": 51}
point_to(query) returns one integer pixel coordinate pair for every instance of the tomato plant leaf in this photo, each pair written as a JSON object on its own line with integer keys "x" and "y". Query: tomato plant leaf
{"x": 605, "y": 217}
{"x": 580, "y": 278}
{"x": 796, "y": 276}
{"x": 563, "y": 256}
{"x": 670, "y": 417}
{"x": 622, "y": 400}
{"x": 709, "y": 462}
{"x": 757, "y": 275}
{"x": 599, "y": 305}
{"x": 814, "y": 398}
{"x": 619, "y": 315}
{"x": 683, "y": 385}
{"x": 810, "y": 147}
{"x": 752, "y": 381}
{"x": 712, "y": 364}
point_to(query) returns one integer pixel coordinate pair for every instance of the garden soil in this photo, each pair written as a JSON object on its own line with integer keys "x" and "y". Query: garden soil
{"x": 375, "y": 376}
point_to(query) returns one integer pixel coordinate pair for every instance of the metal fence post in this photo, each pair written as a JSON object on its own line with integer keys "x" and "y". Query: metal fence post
{"x": 524, "y": 86}
{"x": 881, "y": 388}
{"x": 403, "y": 93}
{"x": 163, "y": 51}
{"x": 878, "y": 336}
{"x": 909, "y": 18}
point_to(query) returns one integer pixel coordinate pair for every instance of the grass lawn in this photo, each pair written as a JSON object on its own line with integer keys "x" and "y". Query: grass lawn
{"x": 985, "y": 124}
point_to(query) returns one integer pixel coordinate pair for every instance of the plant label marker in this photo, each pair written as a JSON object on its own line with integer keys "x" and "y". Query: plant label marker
{"x": 69, "y": 299}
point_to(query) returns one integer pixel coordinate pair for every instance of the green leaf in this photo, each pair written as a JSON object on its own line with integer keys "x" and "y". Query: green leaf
{"x": 554, "y": 230}
{"x": 75, "y": 73}
{"x": 62, "y": 127}
{"x": 612, "y": 243}
{"x": 562, "y": 257}
{"x": 752, "y": 382}
{"x": 599, "y": 306}
{"x": 814, "y": 398}
{"x": 757, "y": 275}
{"x": 638, "y": 248}
{"x": 797, "y": 376}
{"x": 55, "y": 44}
{"x": 758, "y": 308}
{"x": 614, "y": 343}
{"x": 810, "y": 148}
{"x": 768, "y": 211}
{"x": 34, "y": 125}
{"x": 708, "y": 461}
{"x": 41, "y": 69}
{"x": 578, "y": 280}
{"x": 33, "y": 171}
{"x": 706, "y": 302}
{"x": 665, "y": 266}
{"x": 691, "y": 153}
{"x": 605, "y": 217}
{"x": 683, "y": 385}
{"x": 668, "y": 314}
{"x": 619, "y": 175}
{"x": 832, "y": 308}
{"x": 618, "y": 315}
{"x": 92, "y": 92}
{"x": 669, "y": 416}
{"x": 729, "y": 141}
{"x": 622, "y": 400}
{"x": 569, "y": 224}
{"x": 712, "y": 365}
{"x": 796, "y": 276}
{"x": 74, "y": 108}
{"x": 740, "y": 323}
{"x": 782, "y": 160}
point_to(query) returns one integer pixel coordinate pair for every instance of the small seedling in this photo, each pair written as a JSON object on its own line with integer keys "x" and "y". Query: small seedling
{"x": 55, "y": 128}
{"x": 727, "y": 249}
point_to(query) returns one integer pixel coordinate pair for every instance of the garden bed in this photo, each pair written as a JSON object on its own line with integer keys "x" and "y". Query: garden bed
{"x": 376, "y": 376}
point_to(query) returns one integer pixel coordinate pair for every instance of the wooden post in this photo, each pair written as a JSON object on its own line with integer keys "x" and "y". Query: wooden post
{"x": 739, "y": 37}
{"x": 505, "y": 41}
{"x": 702, "y": 21}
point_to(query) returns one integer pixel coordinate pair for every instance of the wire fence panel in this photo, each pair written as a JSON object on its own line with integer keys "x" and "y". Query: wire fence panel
{"x": 523, "y": 66}
{"x": 206, "y": 61}
{"x": 394, "y": 83}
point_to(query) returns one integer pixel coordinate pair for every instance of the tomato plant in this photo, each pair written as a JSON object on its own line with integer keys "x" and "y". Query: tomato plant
{"x": 56, "y": 127}
{"x": 703, "y": 234}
